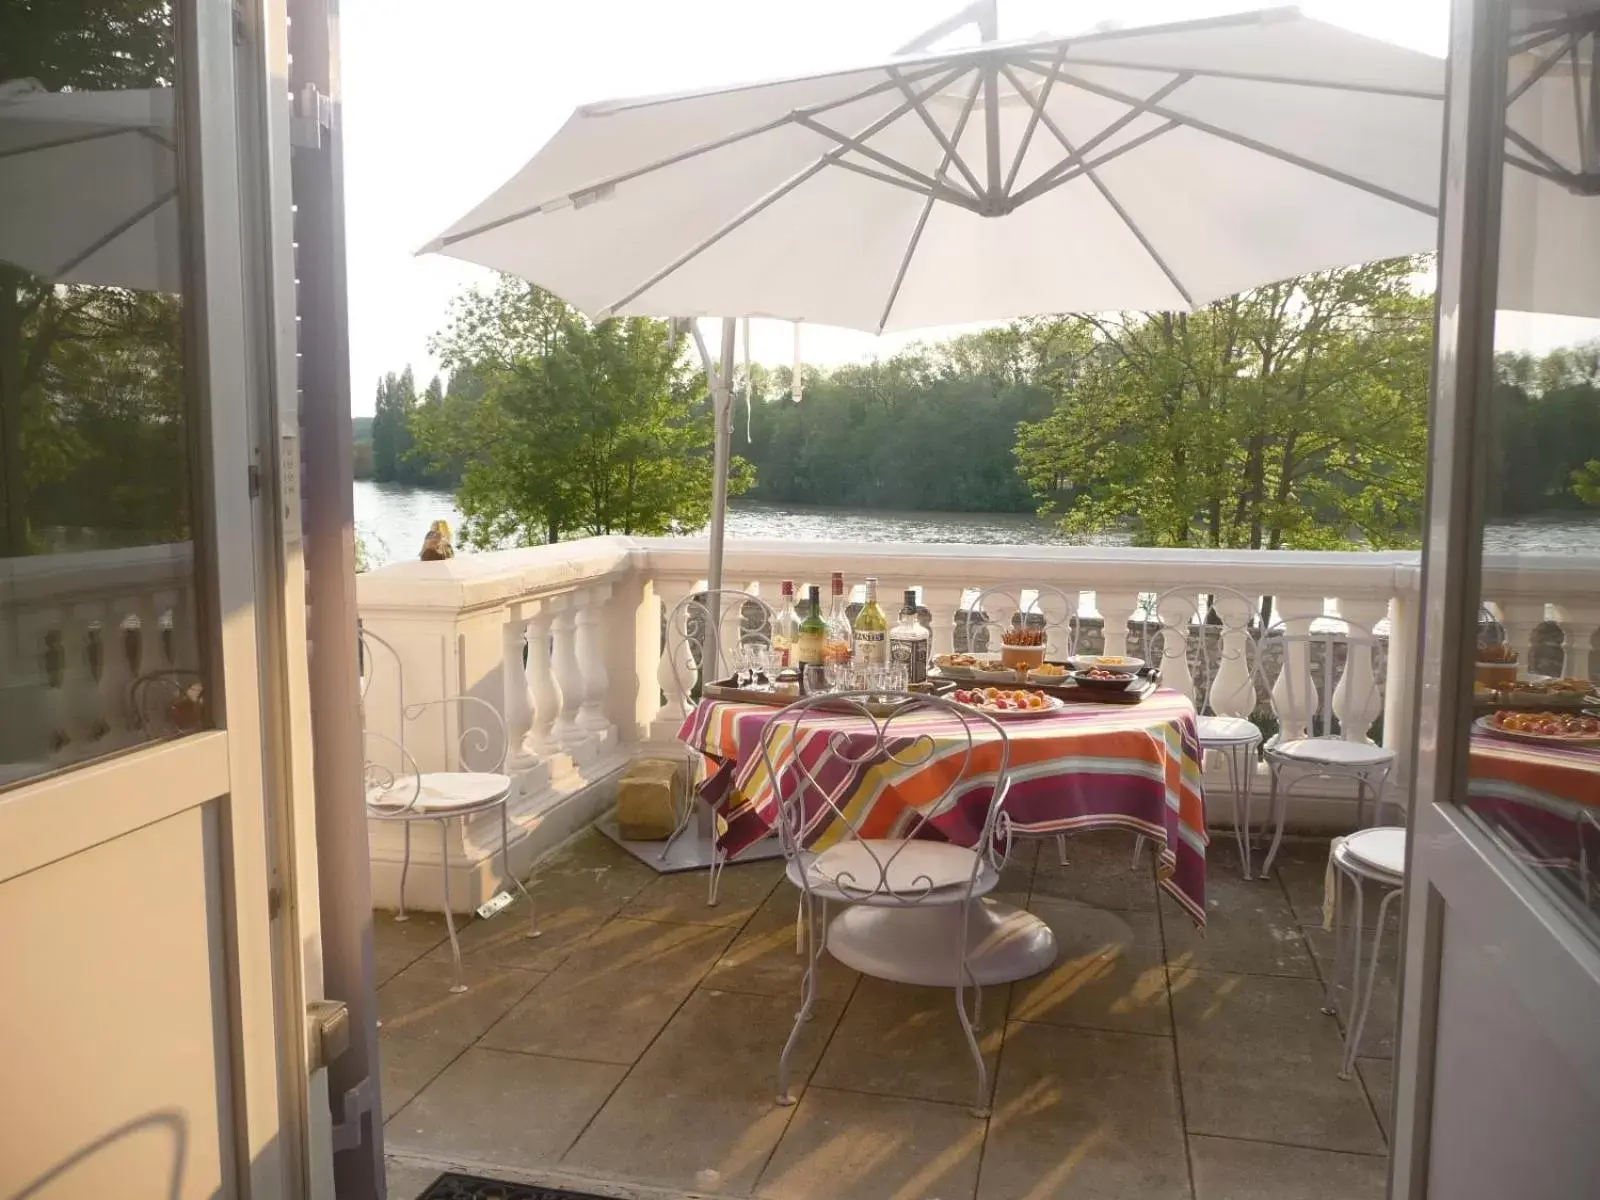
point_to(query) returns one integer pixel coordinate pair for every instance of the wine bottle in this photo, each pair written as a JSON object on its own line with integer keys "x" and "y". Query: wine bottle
{"x": 909, "y": 641}
{"x": 812, "y": 635}
{"x": 785, "y": 627}
{"x": 840, "y": 639}
{"x": 871, "y": 630}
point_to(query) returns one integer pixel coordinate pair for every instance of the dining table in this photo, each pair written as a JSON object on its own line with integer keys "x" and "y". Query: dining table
{"x": 1090, "y": 765}
{"x": 1545, "y": 797}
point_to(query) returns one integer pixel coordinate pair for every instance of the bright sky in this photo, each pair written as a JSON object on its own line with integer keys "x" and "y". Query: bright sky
{"x": 444, "y": 102}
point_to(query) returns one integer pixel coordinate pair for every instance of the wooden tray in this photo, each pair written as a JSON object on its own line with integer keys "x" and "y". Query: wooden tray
{"x": 1148, "y": 679}
{"x": 725, "y": 689}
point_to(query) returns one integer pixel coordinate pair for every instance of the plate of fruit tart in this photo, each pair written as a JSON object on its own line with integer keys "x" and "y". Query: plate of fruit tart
{"x": 1008, "y": 702}
{"x": 1543, "y": 728}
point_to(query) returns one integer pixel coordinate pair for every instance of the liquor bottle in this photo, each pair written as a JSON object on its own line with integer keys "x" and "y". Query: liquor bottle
{"x": 872, "y": 630}
{"x": 813, "y": 634}
{"x": 909, "y": 641}
{"x": 840, "y": 640}
{"x": 785, "y": 627}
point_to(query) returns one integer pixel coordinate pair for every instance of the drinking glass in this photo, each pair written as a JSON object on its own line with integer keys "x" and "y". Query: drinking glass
{"x": 814, "y": 679}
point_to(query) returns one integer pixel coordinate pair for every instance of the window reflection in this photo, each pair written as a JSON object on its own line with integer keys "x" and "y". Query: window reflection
{"x": 97, "y": 641}
{"x": 1534, "y": 774}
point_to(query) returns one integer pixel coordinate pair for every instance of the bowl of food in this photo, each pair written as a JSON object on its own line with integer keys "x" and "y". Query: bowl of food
{"x": 1496, "y": 666}
{"x": 1048, "y": 673}
{"x": 1104, "y": 679}
{"x": 1022, "y": 648}
{"x": 1111, "y": 662}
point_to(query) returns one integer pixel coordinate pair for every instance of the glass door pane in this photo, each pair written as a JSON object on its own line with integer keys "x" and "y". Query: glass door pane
{"x": 98, "y": 647}
{"x": 1534, "y": 761}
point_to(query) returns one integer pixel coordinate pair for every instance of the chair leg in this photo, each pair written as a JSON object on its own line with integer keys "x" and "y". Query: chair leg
{"x": 691, "y": 809}
{"x": 1355, "y": 972}
{"x": 1278, "y": 813}
{"x": 1138, "y": 853}
{"x": 1361, "y": 799}
{"x": 1241, "y": 823}
{"x": 505, "y": 857}
{"x": 449, "y": 914}
{"x": 808, "y": 997}
{"x": 1352, "y": 1035}
{"x": 405, "y": 865}
{"x": 719, "y": 859}
{"x": 1061, "y": 848}
{"x": 970, "y": 1027}
{"x": 1330, "y": 1000}
{"x": 1247, "y": 773}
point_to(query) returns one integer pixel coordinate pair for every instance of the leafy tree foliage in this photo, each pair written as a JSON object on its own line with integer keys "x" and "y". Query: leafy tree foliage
{"x": 391, "y": 425}
{"x": 560, "y": 425}
{"x": 1291, "y": 416}
{"x": 1545, "y": 454}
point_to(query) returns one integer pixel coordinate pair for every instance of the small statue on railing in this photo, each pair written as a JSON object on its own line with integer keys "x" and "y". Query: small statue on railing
{"x": 436, "y": 546}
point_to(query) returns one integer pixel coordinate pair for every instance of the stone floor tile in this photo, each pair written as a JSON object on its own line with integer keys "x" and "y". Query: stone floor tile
{"x": 1225, "y": 1169}
{"x": 418, "y": 1003}
{"x": 1085, "y": 1114}
{"x": 503, "y": 938}
{"x": 1250, "y": 927}
{"x": 398, "y": 944}
{"x": 681, "y": 897}
{"x": 848, "y": 1146}
{"x": 1017, "y": 875}
{"x": 517, "y": 1110}
{"x": 700, "y": 1109}
{"x": 614, "y": 993}
{"x": 1377, "y": 1037}
{"x": 1260, "y": 1060}
{"x": 1099, "y": 872}
{"x": 1377, "y": 1076}
{"x": 406, "y": 1065}
{"x": 1108, "y": 972}
{"x": 1302, "y": 871}
{"x": 408, "y": 1180}
{"x": 590, "y": 869}
{"x": 899, "y": 1040}
{"x": 764, "y": 961}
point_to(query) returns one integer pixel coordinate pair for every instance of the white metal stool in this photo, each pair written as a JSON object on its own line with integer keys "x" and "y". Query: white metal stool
{"x": 1368, "y": 856}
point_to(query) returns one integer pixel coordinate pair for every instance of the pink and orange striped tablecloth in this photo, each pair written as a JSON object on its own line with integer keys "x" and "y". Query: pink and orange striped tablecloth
{"x": 1547, "y": 798}
{"x": 1092, "y": 766}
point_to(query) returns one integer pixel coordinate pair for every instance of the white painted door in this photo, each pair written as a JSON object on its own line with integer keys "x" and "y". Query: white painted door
{"x": 156, "y": 954}
{"x": 1498, "y": 1065}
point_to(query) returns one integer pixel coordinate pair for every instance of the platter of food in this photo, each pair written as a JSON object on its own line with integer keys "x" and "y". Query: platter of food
{"x": 1105, "y": 679}
{"x": 978, "y": 667}
{"x": 1008, "y": 702}
{"x": 1115, "y": 662}
{"x": 1543, "y": 728}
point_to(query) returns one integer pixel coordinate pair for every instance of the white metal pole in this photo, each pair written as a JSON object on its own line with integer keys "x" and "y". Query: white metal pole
{"x": 720, "y": 378}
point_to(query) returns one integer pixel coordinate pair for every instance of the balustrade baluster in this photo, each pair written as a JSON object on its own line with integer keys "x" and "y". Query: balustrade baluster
{"x": 943, "y": 603}
{"x": 1170, "y": 654}
{"x": 1295, "y": 692}
{"x": 1520, "y": 618}
{"x": 116, "y": 669}
{"x": 83, "y": 689}
{"x": 592, "y": 661}
{"x": 564, "y": 664}
{"x": 518, "y": 698}
{"x": 1578, "y": 624}
{"x": 1356, "y": 701}
{"x": 1116, "y": 607}
{"x": 1232, "y": 691}
{"x": 543, "y": 690}
{"x": 668, "y": 673}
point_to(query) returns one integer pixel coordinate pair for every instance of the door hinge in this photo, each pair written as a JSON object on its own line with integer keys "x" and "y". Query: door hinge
{"x": 241, "y": 24}
{"x": 255, "y": 481}
{"x": 274, "y": 902}
{"x": 327, "y": 1032}
{"x": 312, "y": 117}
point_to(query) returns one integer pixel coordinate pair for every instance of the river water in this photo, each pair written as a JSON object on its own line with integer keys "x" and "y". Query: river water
{"x": 391, "y": 521}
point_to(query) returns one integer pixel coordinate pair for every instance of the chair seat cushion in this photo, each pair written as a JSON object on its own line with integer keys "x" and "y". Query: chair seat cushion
{"x": 1332, "y": 751}
{"x": 889, "y": 867}
{"x": 1383, "y": 849}
{"x": 439, "y": 792}
{"x": 1227, "y": 731}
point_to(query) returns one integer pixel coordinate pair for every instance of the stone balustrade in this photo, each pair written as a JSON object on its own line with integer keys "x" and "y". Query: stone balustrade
{"x": 567, "y": 642}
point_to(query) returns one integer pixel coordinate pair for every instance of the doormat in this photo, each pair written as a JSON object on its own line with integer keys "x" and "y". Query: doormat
{"x": 474, "y": 1187}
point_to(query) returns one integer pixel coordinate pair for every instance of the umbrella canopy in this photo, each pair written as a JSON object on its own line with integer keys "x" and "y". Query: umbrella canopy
{"x": 1155, "y": 168}
{"x": 88, "y": 183}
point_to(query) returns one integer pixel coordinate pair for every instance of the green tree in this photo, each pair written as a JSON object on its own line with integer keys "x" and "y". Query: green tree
{"x": 562, "y": 425}
{"x": 391, "y": 425}
{"x": 1291, "y": 416}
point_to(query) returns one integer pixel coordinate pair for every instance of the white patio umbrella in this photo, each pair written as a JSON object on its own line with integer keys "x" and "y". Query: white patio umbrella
{"x": 88, "y": 185}
{"x": 1155, "y": 168}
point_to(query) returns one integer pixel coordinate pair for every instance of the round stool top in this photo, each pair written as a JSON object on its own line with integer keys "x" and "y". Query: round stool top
{"x": 1383, "y": 849}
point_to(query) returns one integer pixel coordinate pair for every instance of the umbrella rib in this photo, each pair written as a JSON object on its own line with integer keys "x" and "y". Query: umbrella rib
{"x": 1541, "y": 68}
{"x": 673, "y": 159}
{"x": 112, "y": 235}
{"x": 846, "y": 142}
{"x": 1033, "y": 116}
{"x": 952, "y": 155}
{"x": 1250, "y": 143}
{"x": 1116, "y": 206}
{"x": 1369, "y": 89}
{"x": 1045, "y": 181}
{"x": 1534, "y": 151}
{"x": 1029, "y": 193}
{"x": 772, "y": 197}
{"x": 943, "y": 191}
{"x": 991, "y": 123}
{"x": 927, "y": 206}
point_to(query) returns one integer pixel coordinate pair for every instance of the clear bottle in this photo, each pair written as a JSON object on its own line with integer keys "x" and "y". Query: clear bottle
{"x": 909, "y": 641}
{"x": 841, "y": 639}
{"x": 871, "y": 630}
{"x": 785, "y": 627}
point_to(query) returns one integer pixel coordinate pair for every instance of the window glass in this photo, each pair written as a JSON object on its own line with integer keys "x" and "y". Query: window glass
{"x": 1534, "y": 775}
{"x": 98, "y": 651}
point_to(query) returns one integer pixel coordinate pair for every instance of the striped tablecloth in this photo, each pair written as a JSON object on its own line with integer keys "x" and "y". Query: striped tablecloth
{"x": 1092, "y": 766}
{"x": 1546, "y": 797}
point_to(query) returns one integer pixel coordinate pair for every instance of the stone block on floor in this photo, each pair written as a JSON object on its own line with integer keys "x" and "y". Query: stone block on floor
{"x": 649, "y": 799}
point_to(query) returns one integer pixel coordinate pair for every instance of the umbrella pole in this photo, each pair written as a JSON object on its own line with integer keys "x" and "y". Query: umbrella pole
{"x": 721, "y": 380}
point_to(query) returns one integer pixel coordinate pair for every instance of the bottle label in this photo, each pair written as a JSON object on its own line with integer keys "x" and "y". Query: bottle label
{"x": 912, "y": 654}
{"x": 836, "y": 651}
{"x": 872, "y": 647}
{"x": 808, "y": 649}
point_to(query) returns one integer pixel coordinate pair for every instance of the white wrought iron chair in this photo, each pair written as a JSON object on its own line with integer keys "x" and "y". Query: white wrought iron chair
{"x": 1050, "y": 609}
{"x": 737, "y": 619}
{"x": 1322, "y": 730}
{"x": 167, "y": 702}
{"x": 397, "y": 789}
{"x": 1374, "y": 856}
{"x": 902, "y": 872}
{"x": 1225, "y": 693}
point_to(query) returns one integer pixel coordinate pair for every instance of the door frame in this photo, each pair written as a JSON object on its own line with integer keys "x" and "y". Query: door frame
{"x": 1551, "y": 963}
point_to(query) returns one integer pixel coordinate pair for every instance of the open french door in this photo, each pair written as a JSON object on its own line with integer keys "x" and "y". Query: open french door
{"x": 1498, "y": 1063}
{"x": 158, "y": 889}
